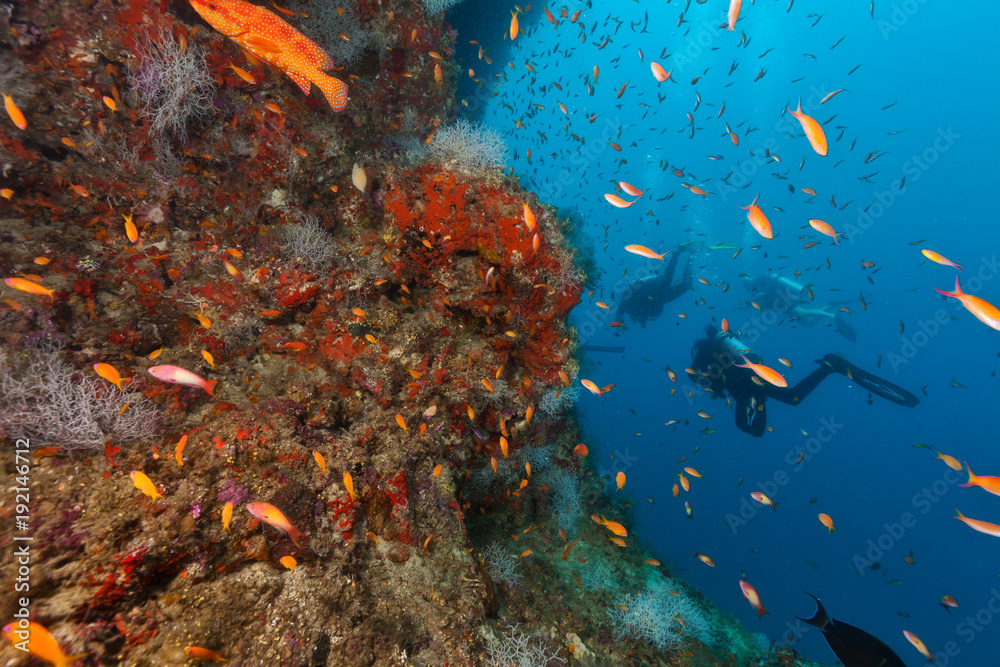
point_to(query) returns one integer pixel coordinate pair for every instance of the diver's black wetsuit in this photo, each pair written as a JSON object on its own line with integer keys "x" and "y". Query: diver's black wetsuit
{"x": 647, "y": 296}
{"x": 714, "y": 358}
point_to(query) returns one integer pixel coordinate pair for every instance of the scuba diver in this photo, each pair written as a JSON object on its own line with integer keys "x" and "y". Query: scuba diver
{"x": 645, "y": 298}
{"x": 785, "y": 295}
{"x": 714, "y": 358}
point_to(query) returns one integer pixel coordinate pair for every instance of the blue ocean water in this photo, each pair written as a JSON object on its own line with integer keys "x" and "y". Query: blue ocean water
{"x": 919, "y": 91}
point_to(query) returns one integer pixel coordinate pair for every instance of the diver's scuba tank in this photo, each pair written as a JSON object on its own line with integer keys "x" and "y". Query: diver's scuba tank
{"x": 792, "y": 287}
{"x": 728, "y": 344}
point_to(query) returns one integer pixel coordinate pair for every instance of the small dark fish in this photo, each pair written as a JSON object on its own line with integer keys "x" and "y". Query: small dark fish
{"x": 852, "y": 645}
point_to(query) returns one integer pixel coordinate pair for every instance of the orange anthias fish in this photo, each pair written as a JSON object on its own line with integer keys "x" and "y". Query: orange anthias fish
{"x": 617, "y": 201}
{"x": 758, "y": 220}
{"x": 734, "y": 12}
{"x": 764, "y": 373}
{"x": 631, "y": 189}
{"x": 982, "y": 526}
{"x": 750, "y": 593}
{"x": 274, "y": 41}
{"x": 643, "y": 251}
{"x": 991, "y": 484}
{"x": 824, "y": 228}
{"x": 272, "y": 516}
{"x": 917, "y": 644}
{"x": 38, "y": 641}
{"x": 704, "y": 559}
{"x": 659, "y": 73}
{"x": 15, "y": 113}
{"x": 613, "y": 526}
{"x": 204, "y": 654}
{"x": 941, "y": 259}
{"x": 29, "y": 287}
{"x": 111, "y": 374}
{"x": 984, "y": 311}
{"x": 763, "y": 499}
{"x": 948, "y": 601}
{"x": 813, "y": 130}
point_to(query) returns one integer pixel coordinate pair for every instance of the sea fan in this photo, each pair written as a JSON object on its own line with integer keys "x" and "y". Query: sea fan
{"x": 440, "y": 6}
{"x": 468, "y": 147}
{"x": 172, "y": 84}
{"x": 45, "y": 400}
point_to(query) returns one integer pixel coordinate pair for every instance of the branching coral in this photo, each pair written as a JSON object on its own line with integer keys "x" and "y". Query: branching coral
{"x": 439, "y": 6}
{"x": 663, "y": 616}
{"x": 557, "y": 400}
{"x": 172, "y": 84}
{"x": 468, "y": 146}
{"x": 307, "y": 242}
{"x": 502, "y": 564}
{"x": 600, "y": 577}
{"x": 521, "y": 650}
{"x": 567, "y": 500}
{"x": 337, "y": 27}
{"x": 44, "y": 399}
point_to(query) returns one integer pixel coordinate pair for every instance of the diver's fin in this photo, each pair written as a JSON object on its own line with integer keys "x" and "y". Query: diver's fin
{"x": 819, "y": 619}
{"x": 873, "y": 383}
{"x": 845, "y": 329}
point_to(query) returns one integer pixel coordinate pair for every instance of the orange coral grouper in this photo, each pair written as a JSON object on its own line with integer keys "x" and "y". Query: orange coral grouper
{"x": 272, "y": 40}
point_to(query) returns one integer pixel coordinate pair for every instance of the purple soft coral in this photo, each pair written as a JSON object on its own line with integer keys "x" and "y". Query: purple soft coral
{"x": 234, "y": 493}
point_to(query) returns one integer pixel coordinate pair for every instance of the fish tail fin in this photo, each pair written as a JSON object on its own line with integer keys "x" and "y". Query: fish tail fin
{"x": 956, "y": 294}
{"x": 296, "y": 535}
{"x": 71, "y": 659}
{"x": 209, "y": 386}
{"x": 334, "y": 90}
{"x": 959, "y": 515}
{"x": 761, "y": 612}
{"x": 774, "y": 505}
{"x": 820, "y": 618}
{"x": 972, "y": 477}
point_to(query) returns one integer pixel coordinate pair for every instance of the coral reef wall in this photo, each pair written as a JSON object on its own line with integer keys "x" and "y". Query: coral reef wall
{"x": 375, "y": 348}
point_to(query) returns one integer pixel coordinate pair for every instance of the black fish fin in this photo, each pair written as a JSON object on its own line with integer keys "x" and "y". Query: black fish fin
{"x": 819, "y": 619}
